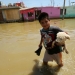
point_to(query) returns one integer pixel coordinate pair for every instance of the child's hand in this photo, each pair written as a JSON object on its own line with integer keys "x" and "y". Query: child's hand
{"x": 38, "y": 51}
{"x": 40, "y": 45}
{"x": 66, "y": 51}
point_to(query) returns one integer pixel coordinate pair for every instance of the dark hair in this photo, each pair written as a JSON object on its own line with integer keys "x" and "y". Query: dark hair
{"x": 42, "y": 16}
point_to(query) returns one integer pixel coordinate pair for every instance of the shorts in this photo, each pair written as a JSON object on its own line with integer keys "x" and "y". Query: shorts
{"x": 48, "y": 57}
{"x": 55, "y": 50}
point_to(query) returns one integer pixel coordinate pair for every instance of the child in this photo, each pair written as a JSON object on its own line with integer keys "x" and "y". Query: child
{"x": 48, "y": 35}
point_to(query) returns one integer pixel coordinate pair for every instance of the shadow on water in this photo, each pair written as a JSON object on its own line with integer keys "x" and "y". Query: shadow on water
{"x": 44, "y": 70}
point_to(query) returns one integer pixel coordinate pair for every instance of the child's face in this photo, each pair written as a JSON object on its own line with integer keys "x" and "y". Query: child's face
{"x": 45, "y": 23}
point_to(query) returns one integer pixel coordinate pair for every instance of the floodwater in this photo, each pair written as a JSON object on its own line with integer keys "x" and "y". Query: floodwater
{"x": 18, "y": 41}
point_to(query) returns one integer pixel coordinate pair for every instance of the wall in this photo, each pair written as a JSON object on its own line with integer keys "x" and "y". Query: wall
{"x": 54, "y": 12}
{"x": 70, "y": 12}
{"x": 12, "y": 14}
{"x": 1, "y": 16}
{"x": 25, "y": 14}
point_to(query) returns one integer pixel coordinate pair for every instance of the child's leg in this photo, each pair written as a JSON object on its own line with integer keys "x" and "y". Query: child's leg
{"x": 60, "y": 59}
{"x": 46, "y": 58}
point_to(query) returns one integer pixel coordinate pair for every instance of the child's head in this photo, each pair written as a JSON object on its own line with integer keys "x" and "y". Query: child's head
{"x": 44, "y": 20}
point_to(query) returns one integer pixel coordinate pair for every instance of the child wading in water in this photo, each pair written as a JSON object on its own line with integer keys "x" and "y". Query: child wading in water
{"x": 48, "y": 35}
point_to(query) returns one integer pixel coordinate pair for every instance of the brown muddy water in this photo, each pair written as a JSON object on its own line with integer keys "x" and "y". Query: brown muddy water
{"x": 18, "y": 41}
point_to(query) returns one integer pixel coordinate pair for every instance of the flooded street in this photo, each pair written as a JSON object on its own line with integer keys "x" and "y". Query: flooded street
{"x": 18, "y": 41}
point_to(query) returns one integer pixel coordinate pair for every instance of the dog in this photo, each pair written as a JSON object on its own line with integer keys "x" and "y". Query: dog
{"x": 61, "y": 37}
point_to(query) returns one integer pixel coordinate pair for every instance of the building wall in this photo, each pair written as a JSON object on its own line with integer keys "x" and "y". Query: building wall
{"x": 26, "y": 17}
{"x": 25, "y": 14}
{"x": 70, "y": 12}
{"x": 12, "y": 14}
{"x": 1, "y": 16}
{"x": 54, "y": 12}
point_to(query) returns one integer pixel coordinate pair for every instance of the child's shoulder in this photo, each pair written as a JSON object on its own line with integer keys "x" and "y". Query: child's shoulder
{"x": 56, "y": 28}
{"x": 52, "y": 26}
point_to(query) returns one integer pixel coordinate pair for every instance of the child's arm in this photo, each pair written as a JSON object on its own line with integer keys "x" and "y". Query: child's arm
{"x": 41, "y": 42}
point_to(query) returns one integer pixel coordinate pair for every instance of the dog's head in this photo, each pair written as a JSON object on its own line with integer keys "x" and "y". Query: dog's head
{"x": 62, "y": 37}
